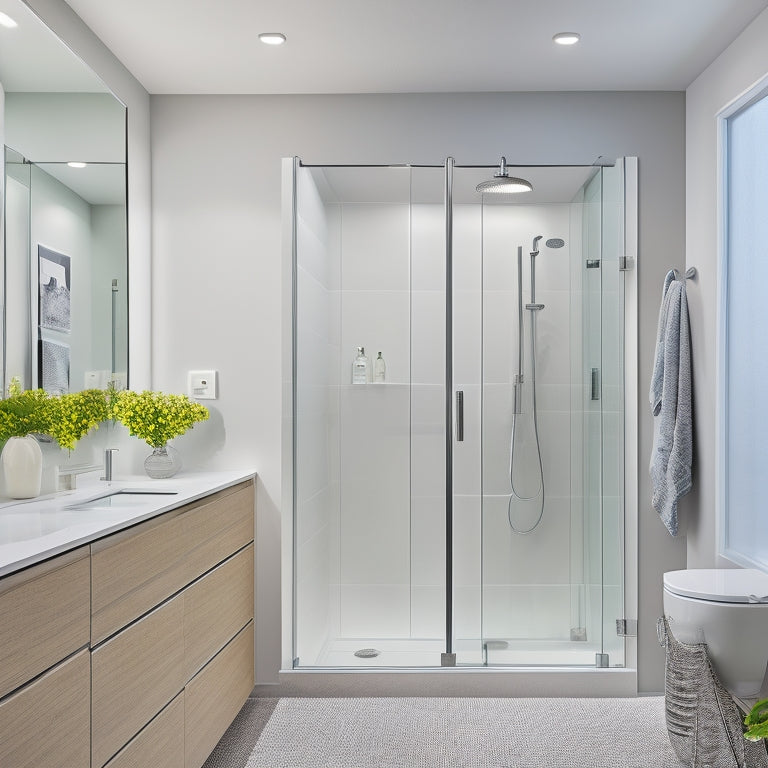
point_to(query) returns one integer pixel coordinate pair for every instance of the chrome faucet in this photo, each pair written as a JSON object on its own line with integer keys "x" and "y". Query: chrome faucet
{"x": 108, "y": 463}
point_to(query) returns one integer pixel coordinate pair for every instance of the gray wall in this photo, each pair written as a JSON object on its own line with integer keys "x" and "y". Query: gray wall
{"x": 743, "y": 63}
{"x": 217, "y": 251}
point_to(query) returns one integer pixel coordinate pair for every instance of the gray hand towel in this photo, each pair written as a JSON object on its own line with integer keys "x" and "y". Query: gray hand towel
{"x": 670, "y": 397}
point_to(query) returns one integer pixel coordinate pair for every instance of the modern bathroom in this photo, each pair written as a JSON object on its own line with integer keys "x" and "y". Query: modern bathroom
{"x": 415, "y": 309}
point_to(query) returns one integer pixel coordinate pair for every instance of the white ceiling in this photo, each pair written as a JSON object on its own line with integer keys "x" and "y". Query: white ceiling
{"x": 370, "y": 46}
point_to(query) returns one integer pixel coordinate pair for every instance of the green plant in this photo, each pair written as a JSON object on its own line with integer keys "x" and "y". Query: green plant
{"x": 757, "y": 721}
{"x": 66, "y": 418}
{"x": 155, "y": 417}
{"x": 73, "y": 415}
{"x": 24, "y": 412}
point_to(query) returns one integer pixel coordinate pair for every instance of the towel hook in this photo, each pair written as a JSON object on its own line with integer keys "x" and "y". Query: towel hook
{"x": 690, "y": 273}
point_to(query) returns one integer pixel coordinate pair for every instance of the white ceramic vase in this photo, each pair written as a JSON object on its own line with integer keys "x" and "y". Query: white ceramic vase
{"x": 22, "y": 462}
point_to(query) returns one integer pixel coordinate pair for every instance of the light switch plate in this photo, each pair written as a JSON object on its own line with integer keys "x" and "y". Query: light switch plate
{"x": 201, "y": 385}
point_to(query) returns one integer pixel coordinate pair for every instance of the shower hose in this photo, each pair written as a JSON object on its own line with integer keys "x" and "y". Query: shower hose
{"x": 515, "y": 496}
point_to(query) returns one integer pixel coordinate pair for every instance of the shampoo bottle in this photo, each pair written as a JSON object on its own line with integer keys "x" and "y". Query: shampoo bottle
{"x": 379, "y": 369}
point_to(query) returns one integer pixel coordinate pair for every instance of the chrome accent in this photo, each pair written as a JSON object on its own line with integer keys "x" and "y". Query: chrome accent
{"x": 626, "y": 263}
{"x": 447, "y": 659}
{"x": 448, "y": 415}
{"x": 626, "y": 627}
{"x": 108, "y": 463}
{"x": 593, "y": 263}
{"x": 459, "y": 416}
{"x": 595, "y": 385}
{"x": 601, "y": 660}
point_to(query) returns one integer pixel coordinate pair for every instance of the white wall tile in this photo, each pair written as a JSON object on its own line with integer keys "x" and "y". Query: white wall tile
{"x": 428, "y": 247}
{"x": 427, "y": 337}
{"x": 540, "y": 557}
{"x": 535, "y": 611}
{"x": 428, "y": 612}
{"x": 428, "y": 541}
{"x": 375, "y": 253}
{"x": 375, "y": 610}
{"x": 380, "y": 322}
{"x": 375, "y": 484}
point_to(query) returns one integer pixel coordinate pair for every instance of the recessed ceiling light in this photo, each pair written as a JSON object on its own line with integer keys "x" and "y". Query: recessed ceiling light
{"x": 76, "y": 165}
{"x": 272, "y": 38}
{"x": 567, "y": 38}
{"x": 7, "y": 21}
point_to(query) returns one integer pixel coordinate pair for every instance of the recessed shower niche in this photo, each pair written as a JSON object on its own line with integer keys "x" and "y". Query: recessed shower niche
{"x": 471, "y": 508}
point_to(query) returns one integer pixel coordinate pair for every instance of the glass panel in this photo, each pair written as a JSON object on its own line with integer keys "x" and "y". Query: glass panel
{"x": 746, "y": 327}
{"x": 611, "y": 394}
{"x": 533, "y": 595}
{"x": 370, "y": 466}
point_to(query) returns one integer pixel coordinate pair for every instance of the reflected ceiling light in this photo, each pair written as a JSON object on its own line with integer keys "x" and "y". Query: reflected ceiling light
{"x": 272, "y": 38}
{"x": 76, "y": 165}
{"x": 503, "y": 183}
{"x": 7, "y": 21}
{"x": 567, "y": 38}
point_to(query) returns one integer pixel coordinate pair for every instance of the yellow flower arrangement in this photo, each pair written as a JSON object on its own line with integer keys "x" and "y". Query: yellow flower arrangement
{"x": 66, "y": 418}
{"x": 155, "y": 417}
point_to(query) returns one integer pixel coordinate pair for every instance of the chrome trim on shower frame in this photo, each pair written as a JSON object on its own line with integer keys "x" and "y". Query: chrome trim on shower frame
{"x": 449, "y": 436}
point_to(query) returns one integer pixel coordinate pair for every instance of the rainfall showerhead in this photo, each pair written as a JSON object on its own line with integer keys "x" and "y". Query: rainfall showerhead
{"x": 503, "y": 183}
{"x": 555, "y": 242}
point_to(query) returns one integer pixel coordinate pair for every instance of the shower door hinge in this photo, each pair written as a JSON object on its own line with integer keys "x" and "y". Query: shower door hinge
{"x": 626, "y": 627}
{"x": 595, "y": 384}
{"x": 626, "y": 263}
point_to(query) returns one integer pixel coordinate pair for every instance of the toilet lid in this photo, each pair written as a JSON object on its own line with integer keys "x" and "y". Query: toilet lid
{"x": 721, "y": 585}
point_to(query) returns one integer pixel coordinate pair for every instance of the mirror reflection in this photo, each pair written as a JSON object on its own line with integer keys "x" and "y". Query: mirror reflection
{"x": 64, "y": 213}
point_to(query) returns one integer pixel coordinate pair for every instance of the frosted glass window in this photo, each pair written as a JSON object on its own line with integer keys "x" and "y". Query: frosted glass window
{"x": 746, "y": 336}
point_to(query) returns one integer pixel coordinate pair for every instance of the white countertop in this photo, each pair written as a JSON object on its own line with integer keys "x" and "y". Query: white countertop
{"x": 36, "y": 529}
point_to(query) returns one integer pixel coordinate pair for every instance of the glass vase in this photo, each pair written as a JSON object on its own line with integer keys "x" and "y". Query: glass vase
{"x": 164, "y": 461}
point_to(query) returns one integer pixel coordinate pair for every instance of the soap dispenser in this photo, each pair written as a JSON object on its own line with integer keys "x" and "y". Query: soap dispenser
{"x": 379, "y": 369}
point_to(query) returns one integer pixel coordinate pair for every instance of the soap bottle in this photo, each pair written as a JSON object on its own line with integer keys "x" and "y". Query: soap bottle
{"x": 361, "y": 368}
{"x": 379, "y": 369}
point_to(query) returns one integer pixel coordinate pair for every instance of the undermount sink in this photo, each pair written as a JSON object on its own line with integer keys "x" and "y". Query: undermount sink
{"x": 23, "y": 526}
{"x": 126, "y": 497}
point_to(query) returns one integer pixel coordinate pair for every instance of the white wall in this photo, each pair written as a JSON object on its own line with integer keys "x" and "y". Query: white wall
{"x": 217, "y": 255}
{"x": 743, "y": 63}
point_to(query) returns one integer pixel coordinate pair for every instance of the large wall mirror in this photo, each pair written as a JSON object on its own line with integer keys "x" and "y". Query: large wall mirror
{"x": 65, "y": 255}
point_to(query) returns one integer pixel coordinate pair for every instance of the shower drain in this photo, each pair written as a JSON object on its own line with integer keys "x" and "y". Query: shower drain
{"x": 367, "y": 653}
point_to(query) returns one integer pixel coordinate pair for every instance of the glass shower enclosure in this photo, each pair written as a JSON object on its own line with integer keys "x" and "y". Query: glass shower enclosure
{"x": 467, "y": 509}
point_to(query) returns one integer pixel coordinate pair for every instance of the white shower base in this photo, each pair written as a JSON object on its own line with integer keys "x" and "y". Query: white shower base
{"x": 405, "y": 653}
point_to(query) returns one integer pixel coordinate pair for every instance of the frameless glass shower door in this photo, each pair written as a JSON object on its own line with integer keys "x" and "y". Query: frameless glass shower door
{"x": 420, "y": 525}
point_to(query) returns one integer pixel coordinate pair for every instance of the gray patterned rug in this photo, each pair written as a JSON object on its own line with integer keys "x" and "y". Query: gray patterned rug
{"x": 447, "y": 733}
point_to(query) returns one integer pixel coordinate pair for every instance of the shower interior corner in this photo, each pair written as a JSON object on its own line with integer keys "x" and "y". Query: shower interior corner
{"x": 533, "y": 502}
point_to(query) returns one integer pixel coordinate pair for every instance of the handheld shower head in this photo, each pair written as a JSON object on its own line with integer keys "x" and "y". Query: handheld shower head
{"x": 535, "y": 251}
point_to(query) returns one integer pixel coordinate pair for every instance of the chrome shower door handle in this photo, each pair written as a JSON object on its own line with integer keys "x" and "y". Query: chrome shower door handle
{"x": 459, "y": 416}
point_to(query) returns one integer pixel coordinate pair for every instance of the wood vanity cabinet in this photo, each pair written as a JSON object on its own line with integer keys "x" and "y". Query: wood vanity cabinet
{"x": 135, "y": 650}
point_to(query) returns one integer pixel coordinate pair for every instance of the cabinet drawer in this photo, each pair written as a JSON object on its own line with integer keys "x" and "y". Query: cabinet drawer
{"x": 135, "y": 674}
{"x": 136, "y": 569}
{"x": 159, "y": 745}
{"x": 215, "y": 695}
{"x": 47, "y": 723}
{"x": 216, "y": 608}
{"x": 219, "y": 528}
{"x": 45, "y": 614}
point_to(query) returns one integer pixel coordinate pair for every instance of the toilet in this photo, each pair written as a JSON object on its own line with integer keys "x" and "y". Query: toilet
{"x": 720, "y": 607}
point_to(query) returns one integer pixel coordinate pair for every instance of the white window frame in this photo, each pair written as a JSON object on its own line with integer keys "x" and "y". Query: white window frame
{"x": 754, "y": 93}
